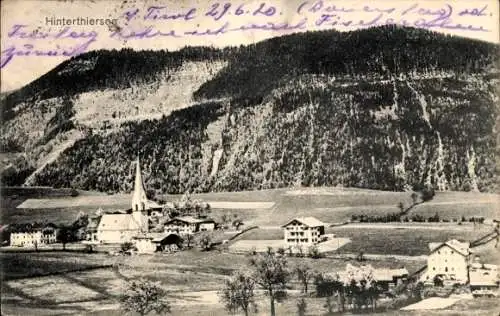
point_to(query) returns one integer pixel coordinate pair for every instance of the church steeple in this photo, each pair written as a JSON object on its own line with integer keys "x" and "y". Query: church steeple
{"x": 139, "y": 198}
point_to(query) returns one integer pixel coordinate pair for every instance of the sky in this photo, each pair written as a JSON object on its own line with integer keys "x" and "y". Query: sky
{"x": 182, "y": 23}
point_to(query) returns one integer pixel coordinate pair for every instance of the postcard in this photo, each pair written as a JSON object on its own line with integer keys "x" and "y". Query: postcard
{"x": 268, "y": 157}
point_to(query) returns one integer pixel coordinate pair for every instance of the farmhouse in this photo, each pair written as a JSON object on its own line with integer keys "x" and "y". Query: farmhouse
{"x": 385, "y": 278}
{"x": 449, "y": 260}
{"x": 483, "y": 277}
{"x": 186, "y": 225}
{"x": 303, "y": 231}
{"x": 118, "y": 228}
{"x": 28, "y": 235}
{"x": 153, "y": 242}
{"x": 388, "y": 278}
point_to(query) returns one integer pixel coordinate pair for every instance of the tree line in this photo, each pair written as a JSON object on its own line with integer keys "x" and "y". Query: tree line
{"x": 355, "y": 289}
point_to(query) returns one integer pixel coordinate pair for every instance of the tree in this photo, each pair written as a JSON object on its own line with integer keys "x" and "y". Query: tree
{"x": 414, "y": 197}
{"x": 126, "y": 246}
{"x": 301, "y": 307}
{"x": 224, "y": 218}
{"x": 238, "y": 292}
{"x": 428, "y": 194}
{"x": 314, "y": 252}
{"x": 143, "y": 296}
{"x": 206, "y": 242}
{"x": 360, "y": 256}
{"x": 327, "y": 286}
{"x": 401, "y": 207}
{"x": 360, "y": 287}
{"x": 304, "y": 274}
{"x": 65, "y": 235}
{"x": 271, "y": 273}
{"x": 237, "y": 223}
{"x": 189, "y": 239}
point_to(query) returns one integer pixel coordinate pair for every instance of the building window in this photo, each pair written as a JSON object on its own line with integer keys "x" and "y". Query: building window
{"x": 446, "y": 269}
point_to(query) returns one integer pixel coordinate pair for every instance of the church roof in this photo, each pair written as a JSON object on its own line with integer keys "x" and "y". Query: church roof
{"x": 118, "y": 222}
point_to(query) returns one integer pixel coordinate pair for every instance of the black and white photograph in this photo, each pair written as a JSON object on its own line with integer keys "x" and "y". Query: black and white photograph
{"x": 274, "y": 157}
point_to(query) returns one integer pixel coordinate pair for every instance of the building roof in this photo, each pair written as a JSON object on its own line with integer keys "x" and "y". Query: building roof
{"x": 191, "y": 220}
{"x": 389, "y": 274}
{"x": 308, "y": 221}
{"x": 381, "y": 275}
{"x": 154, "y": 237}
{"x": 118, "y": 222}
{"x": 31, "y": 227}
{"x": 483, "y": 274}
{"x": 460, "y": 247}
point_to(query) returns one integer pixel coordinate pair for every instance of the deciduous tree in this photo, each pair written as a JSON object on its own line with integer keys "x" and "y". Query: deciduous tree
{"x": 143, "y": 297}
{"x": 238, "y": 292}
{"x": 271, "y": 272}
{"x": 304, "y": 274}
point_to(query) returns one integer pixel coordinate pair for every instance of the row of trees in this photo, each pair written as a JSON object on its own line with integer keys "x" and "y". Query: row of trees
{"x": 355, "y": 289}
{"x": 423, "y": 195}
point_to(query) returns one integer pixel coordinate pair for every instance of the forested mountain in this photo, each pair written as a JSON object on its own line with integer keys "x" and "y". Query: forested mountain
{"x": 384, "y": 108}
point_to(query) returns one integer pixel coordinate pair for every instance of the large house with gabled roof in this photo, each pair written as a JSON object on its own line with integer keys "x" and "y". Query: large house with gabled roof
{"x": 448, "y": 260}
{"x": 303, "y": 231}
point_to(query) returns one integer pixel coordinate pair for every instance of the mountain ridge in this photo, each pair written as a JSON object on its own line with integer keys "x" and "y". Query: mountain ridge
{"x": 325, "y": 111}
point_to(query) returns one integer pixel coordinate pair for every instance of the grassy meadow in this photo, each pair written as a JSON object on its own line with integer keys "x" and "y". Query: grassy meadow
{"x": 83, "y": 286}
{"x": 331, "y": 205}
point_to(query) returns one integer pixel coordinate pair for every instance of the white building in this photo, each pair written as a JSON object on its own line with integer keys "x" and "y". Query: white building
{"x": 483, "y": 276}
{"x": 28, "y": 236}
{"x": 303, "y": 231}
{"x": 185, "y": 225}
{"x": 448, "y": 260}
{"x": 119, "y": 228}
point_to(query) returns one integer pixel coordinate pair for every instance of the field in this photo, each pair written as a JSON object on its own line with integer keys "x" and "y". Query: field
{"x": 403, "y": 241}
{"x": 267, "y": 207}
{"x": 192, "y": 278}
{"x": 88, "y": 283}
{"x": 386, "y": 239}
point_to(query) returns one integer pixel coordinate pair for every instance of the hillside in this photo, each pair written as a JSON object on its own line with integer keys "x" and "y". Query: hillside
{"x": 386, "y": 108}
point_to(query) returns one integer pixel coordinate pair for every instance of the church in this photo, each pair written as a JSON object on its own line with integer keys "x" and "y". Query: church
{"x": 123, "y": 227}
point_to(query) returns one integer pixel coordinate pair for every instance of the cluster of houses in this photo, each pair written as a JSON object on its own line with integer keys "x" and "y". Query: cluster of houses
{"x": 450, "y": 261}
{"x": 133, "y": 225}
{"x": 453, "y": 262}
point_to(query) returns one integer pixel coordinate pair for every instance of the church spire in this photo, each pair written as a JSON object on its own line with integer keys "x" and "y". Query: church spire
{"x": 139, "y": 198}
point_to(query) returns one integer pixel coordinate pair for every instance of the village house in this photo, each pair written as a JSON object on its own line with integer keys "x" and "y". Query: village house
{"x": 303, "y": 231}
{"x": 389, "y": 278}
{"x": 449, "y": 261}
{"x": 154, "y": 242}
{"x": 483, "y": 278}
{"x": 28, "y": 235}
{"x": 386, "y": 279}
{"x": 186, "y": 225}
{"x": 122, "y": 227}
